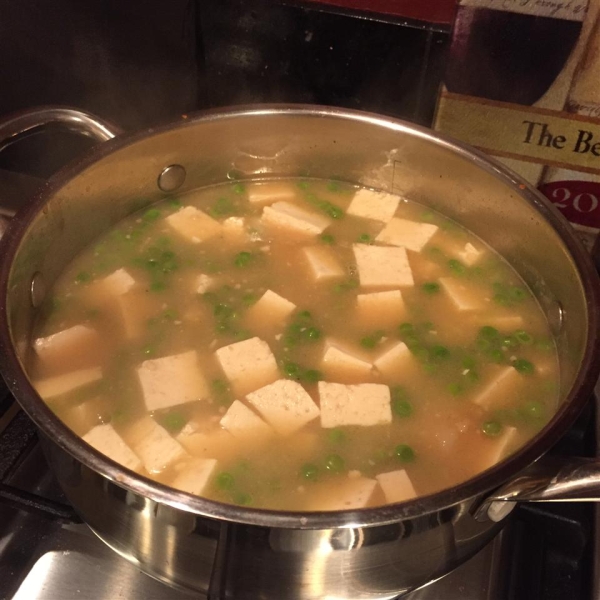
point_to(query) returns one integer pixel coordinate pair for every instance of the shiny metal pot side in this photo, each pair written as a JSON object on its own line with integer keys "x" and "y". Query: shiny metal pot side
{"x": 234, "y": 552}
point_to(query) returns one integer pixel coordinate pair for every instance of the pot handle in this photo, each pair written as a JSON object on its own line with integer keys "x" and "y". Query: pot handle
{"x": 17, "y": 126}
{"x": 550, "y": 479}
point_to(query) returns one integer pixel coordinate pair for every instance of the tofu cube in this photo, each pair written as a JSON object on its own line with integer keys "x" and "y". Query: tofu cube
{"x": 322, "y": 264}
{"x": 248, "y": 365}
{"x": 395, "y": 361}
{"x": 469, "y": 255}
{"x": 269, "y": 313}
{"x": 75, "y": 346}
{"x": 52, "y": 387}
{"x": 285, "y": 405}
{"x": 234, "y": 229}
{"x": 207, "y": 444}
{"x": 172, "y": 380}
{"x": 106, "y": 440}
{"x": 205, "y": 283}
{"x": 364, "y": 404}
{"x": 380, "y": 267}
{"x": 265, "y": 194}
{"x": 503, "y": 384}
{"x": 497, "y": 448}
{"x": 396, "y": 486}
{"x": 194, "y": 225}
{"x": 193, "y": 475}
{"x": 339, "y": 363}
{"x": 86, "y": 415}
{"x": 244, "y": 424}
{"x": 408, "y": 234}
{"x": 343, "y": 494}
{"x": 153, "y": 445}
{"x": 380, "y": 309}
{"x": 135, "y": 309}
{"x": 293, "y": 220}
{"x": 377, "y": 206}
{"x": 464, "y": 297}
{"x": 118, "y": 283}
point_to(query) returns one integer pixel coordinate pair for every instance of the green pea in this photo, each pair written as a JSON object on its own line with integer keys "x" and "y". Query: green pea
{"x": 170, "y": 314}
{"x": 488, "y": 333}
{"x": 468, "y": 362}
{"x": 309, "y": 471}
{"x": 336, "y": 436}
{"x": 304, "y": 315}
{"x": 303, "y": 185}
{"x": 312, "y": 376}
{"x": 523, "y": 337}
{"x": 238, "y": 188}
{"x": 496, "y": 355}
{"x": 223, "y": 311}
{"x": 249, "y": 299}
{"x": 472, "y": 376}
{"x": 491, "y": 428}
{"x": 406, "y": 328}
{"x": 242, "y": 259}
{"x": 523, "y": 366}
{"x": 242, "y": 498}
{"x": 83, "y": 277}
{"x": 327, "y": 238}
{"x": 370, "y": 341}
{"x": 401, "y": 407}
{"x": 149, "y": 350}
{"x": 516, "y": 293}
{"x": 151, "y": 215}
{"x": 174, "y": 421}
{"x": 431, "y": 287}
{"x": 334, "y": 463}
{"x": 510, "y": 341}
{"x": 364, "y": 238}
{"x": 440, "y": 352}
{"x": 158, "y": 286}
{"x": 312, "y": 334}
{"x": 333, "y": 186}
{"x": 225, "y": 480}
{"x": 174, "y": 203}
{"x": 335, "y": 212}
{"x": 456, "y": 266}
{"x": 404, "y": 453}
{"x": 455, "y": 388}
{"x": 219, "y": 386}
{"x": 534, "y": 409}
{"x": 291, "y": 369}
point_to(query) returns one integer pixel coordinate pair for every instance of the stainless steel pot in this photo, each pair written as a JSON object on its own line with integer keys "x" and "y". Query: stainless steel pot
{"x": 235, "y": 553}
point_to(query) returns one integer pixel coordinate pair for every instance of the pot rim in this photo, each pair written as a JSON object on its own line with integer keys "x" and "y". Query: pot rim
{"x": 61, "y": 435}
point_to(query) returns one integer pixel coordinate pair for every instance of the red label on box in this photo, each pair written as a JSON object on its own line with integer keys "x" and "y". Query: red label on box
{"x": 579, "y": 201}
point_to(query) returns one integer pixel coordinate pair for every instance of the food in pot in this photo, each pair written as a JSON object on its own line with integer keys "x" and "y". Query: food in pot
{"x": 296, "y": 345}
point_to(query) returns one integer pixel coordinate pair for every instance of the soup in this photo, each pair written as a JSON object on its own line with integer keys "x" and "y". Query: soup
{"x": 296, "y": 345}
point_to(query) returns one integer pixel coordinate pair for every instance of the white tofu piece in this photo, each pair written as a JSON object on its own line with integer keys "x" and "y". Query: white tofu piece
{"x": 172, "y": 380}
{"x": 134, "y": 309}
{"x": 118, "y": 283}
{"x": 82, "y": 417}
{"x": 155, "y": 447}
{"x": 193, "y": 475}
{"x": 396, "y": 486}
{"x": 322, "y": 264}
{"x": 380, "y": 309}
{"x": 464, "y": 297}
{"x": 270, "y": 312}
{"x": 380, "y": 267}
{"x": 105, "y": 439}
{"x": 244, "y": 424}
{"x": 205, "y": 283}
{"x": 67, "y": 346}
{"x": 193, "y": 224}
{"x": 408, "y": 234}
{"x": 364, "y": 404}
{"x": 294, "y": 220}
{"x": 377, "y": 206}
{"x": 504, "y": 323}
{"x": 343, "y": 494}
{"x": 470, "y": 255}
{"x": 504, "y": 382}
{"x": 217, "y": 442}
{"x": 248, "y": 365}
{"x": 340, "y": 363}
{"x": 262, "y": 195}
{"x": 394, "y": 361}
{"x": 234, "y": 228}
{"x": 62, "y": 384}
{"x": 285, "y": 405}
{"x": 497, "y": 448}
